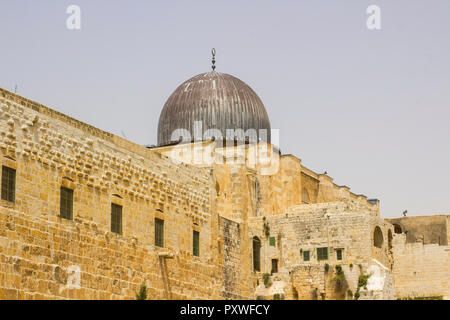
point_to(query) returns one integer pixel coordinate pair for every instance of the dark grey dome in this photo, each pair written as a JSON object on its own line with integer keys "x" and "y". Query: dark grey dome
{"x": 220, "y": 101}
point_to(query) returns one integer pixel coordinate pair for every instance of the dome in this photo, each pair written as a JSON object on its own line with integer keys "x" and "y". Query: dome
{"x": 219, "y": 103}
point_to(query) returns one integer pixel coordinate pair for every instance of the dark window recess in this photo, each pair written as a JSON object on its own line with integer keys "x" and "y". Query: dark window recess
{"x": 159, "y": 232}
{"x": 256, "y": 254}
{"x": 339, "y": 254}
{"x": 306, "y": 256}
{"x": 8, "y": 184}
{"x": 116, "y": 218}
{"x": 272, "y": 241}
{"x": 196, "y": 244}
{"x": 322, "y": 253}
{"x": 274, "y": 265}
{"x": 66, "y": 203}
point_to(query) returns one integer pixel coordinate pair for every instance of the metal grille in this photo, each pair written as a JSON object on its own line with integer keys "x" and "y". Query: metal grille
{"x": 8, "y": 184}
{"x": 66, "y": 203}
{"x": 196, "y": 244}
{"x": 159, "y": 232}
{"x": 116, "y": 218}
{"x": 322, "y": 253}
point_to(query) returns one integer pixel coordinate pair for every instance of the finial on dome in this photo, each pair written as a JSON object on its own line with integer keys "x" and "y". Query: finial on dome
{"x": 213, "y": 51}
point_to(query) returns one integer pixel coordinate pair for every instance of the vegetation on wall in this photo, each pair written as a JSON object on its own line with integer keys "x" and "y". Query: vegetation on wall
{"x": 267, "y": 281}
{"x": 142, "y": 295}
{"x": 362, "y": 283}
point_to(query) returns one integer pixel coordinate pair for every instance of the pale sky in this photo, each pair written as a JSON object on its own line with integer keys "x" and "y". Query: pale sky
{"x": 372, "y": 108}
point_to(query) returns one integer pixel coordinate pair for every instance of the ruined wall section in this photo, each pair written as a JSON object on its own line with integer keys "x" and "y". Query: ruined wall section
{"x": 43, "y": 256}
{"x": 345, "y": 226}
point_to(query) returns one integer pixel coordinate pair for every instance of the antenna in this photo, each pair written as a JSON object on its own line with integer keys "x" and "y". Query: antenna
{"x": 15, "y": 89}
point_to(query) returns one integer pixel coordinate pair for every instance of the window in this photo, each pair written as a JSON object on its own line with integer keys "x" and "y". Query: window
{"x": 196, "y": 244}
{"x": 397, "y": 228}
{"x": 274, "y": 266}
{"x": 306, "y": 256}
{"x": 377, "y": 237}
{"x": 8, "y": 184}
{"x": 159, "y": 232}
{"x": 322, "y": 253}
{"x": 256, "y": 254}
{"x": 116, "y": 218}
{"x": 338, "y": 254}
{"x": 272, "y": 241}
{"x": 66, "y": 203}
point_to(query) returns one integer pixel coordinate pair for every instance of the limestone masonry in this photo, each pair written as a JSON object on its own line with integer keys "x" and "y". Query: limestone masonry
{"x": 85, "y": 214}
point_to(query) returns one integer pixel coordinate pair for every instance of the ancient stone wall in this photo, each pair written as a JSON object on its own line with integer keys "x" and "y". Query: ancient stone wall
{"x": 426, "y": 229}
{"x": 45, "y": 256}
{"x": 344, "y": 226}
{"x": 421, "y": 270}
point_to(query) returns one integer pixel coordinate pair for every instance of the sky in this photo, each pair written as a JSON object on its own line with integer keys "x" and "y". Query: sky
{"x": 370, "y": 107}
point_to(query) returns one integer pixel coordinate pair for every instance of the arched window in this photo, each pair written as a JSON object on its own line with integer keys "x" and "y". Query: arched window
{"x": 305, "y": 196}
{"x": 397, "y": 228}
{"x": 256, "y": 254}
{"x": 377, "y": 237}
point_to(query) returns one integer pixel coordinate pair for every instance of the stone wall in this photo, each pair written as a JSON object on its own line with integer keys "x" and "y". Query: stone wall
{"x": 421, "y": 270}
{"x": 348, "y": 226}
{"x": 426, "y": 229}
{"x": 43, "y": 256}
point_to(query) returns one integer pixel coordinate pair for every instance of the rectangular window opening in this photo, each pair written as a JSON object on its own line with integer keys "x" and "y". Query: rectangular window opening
{"x": 66, "y": 203}
{"x": 196, "y": 244}
{"x": 322, "y": 253}
{"x": 8, "y": 184}
{"x": 274, "y": 266}
{"x": 159, "y": 232}
{"x": 306, "y": 256}
{"x": 339, "y": 254}
{"x": 116, "y": 218}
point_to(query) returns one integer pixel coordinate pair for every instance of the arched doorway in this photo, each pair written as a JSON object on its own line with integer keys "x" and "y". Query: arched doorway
{"x": 256, "y": 254}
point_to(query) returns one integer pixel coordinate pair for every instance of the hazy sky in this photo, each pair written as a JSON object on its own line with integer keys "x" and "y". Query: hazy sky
{"x": 372, "y": 108}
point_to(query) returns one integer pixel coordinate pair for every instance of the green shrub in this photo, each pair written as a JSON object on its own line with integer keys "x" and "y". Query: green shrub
{"x": 350, "y": 293}
{"x": 266, "y": 278}
{"x": 362, "y": 280}
{"x": 142, "y": 295}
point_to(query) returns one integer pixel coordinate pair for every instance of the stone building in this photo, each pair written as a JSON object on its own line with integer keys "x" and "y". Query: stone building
{"x": 214, "y": 211}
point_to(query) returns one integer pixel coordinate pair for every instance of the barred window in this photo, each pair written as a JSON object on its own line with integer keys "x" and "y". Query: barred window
{"x": 339, "y": 254}
{"x": 116, "y": 218}
{"x": 8, "y": 184}
{"x": 66, "y": 203}
{"x": 306, "y": 256}
{"x": 322, "y": 253}
{"x": 196, "y": 243}
{"x": 159, "y": 232}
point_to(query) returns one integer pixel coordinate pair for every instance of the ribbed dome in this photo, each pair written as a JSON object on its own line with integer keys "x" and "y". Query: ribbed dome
{"x": 220, "y": 101}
